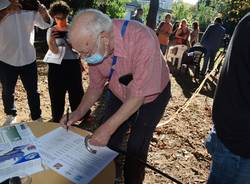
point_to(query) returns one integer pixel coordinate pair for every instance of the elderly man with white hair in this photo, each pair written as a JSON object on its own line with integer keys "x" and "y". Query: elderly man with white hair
{"x": 126, "y": 55}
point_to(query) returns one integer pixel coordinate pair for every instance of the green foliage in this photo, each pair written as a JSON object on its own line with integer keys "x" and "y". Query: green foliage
{"x": 205, "y": 11}
{"x": 145, "y": 11}
{"x": 231, "y": 10}
{"x": 181, "y": 11}
{"x": 113, "y": 8}
{"x": 201, "y": 13}
{"x": 204, "y": 15}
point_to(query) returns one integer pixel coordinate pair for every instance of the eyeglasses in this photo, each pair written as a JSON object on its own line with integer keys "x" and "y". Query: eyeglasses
{"x": 84, "y": 53}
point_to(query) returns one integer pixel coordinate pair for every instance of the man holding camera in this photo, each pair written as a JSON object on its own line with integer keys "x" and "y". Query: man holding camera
{"x": 17, "y": 53}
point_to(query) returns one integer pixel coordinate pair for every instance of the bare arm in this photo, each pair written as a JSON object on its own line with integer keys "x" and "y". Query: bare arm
{"x": 129, "y": 107}
{"x": 12, "y": 8}
{"x": 89, "y": 98}
{"x": 177, "y": 34}
{"x": 52, "y": 41}
{"x": 43, "y": 12}
{"x": 167, "y": 31}
{"x": 102, "y": 135}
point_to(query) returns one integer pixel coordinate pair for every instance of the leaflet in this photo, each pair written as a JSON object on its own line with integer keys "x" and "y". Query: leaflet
{"x": 50, "y": 57}
{"x": 64, "y": 152}
{"x": 18, "y": 152}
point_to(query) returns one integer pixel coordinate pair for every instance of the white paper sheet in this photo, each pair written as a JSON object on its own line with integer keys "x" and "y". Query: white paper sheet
{"x": 65, "y": 153}
{"x": 18, "y": 152}
{"x": 50, "y": 57}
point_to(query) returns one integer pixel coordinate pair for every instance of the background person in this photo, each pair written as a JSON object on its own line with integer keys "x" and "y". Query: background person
{"x": 18, "y": 56}
{"x": 163, "y": 31}
{"x": 172, "y": 35}
{"x": 139, "y": 84}
{"x": 211, "y": 40}
{"x": 194, "y": 35}
{"x": 138, "y": 15}
{"x": 182, "y": 34}
{"x": 67, "y": 76}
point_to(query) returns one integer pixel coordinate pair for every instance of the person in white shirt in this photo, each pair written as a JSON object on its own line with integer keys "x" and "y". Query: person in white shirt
{"x": 64, "y": 77}
{"x": 18, "y": 56}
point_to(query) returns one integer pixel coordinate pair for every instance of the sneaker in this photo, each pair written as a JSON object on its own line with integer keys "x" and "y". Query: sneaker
{"x": 38, "y": 120}
{"x": 10, "y": 120}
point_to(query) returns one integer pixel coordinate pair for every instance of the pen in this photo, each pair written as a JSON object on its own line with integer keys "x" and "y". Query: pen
{"x": 67, "y": 119}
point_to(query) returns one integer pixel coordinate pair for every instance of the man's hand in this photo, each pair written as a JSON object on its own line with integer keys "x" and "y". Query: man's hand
{"x": 52, "y": 41}
{"x": 42, "y": 9}
{"x": 101, "y": 136}
{"x": 14, "y": 7}
{"x": 73, "y": 118}
{"x": 44, "y": 13}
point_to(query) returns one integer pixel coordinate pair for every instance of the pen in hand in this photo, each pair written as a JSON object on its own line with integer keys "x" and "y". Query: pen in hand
{"x": 67, "y": 119}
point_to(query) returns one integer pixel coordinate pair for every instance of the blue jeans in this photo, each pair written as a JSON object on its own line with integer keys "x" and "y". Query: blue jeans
{"x": 226, "y": 168}
{"x": 163, "y": 48}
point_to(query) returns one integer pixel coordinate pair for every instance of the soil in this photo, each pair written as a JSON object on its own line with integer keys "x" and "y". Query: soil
{"x": 177, "y": 148}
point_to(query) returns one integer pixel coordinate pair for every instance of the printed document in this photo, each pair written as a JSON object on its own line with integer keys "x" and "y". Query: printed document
{"x": 50, "y": 57}
{"x": 18, "y": 153}
{"x": 65, "y": 152}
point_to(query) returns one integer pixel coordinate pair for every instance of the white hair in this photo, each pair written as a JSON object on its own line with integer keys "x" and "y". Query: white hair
{"x": 99, "y": 23}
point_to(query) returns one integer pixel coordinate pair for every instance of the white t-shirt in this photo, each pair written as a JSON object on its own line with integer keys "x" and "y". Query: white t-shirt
{"x": 17, "y": 37}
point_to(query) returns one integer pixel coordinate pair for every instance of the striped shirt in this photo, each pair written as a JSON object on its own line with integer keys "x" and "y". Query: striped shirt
{"x": 137, "y": 53}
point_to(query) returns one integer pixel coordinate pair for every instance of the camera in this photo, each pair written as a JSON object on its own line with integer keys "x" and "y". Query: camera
{"x": 31, "y": 5}
{"x": 61, "y": 34}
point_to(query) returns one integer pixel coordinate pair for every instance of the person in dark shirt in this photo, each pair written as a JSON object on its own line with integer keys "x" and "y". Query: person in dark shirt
{"x": 229, "y": 141}
{"x": 211, "y": 40}
{"x": 138, "y": 15}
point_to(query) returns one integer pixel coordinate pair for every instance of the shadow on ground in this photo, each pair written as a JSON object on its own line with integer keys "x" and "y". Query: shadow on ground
{"x": 188, "y": 83}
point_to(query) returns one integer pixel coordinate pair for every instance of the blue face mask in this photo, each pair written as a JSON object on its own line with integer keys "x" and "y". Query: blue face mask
{"x": 94, "y": 59}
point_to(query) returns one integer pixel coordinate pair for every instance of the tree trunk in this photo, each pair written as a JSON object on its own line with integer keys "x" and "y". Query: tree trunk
{"x": 152, "y": 13}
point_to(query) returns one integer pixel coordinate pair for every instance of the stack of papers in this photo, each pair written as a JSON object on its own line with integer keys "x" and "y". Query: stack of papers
{"x": 18, "y": 152}
{"x": 62, "y": 151}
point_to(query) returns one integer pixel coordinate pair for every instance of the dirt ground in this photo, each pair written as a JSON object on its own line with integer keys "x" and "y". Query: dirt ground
{"x": 177, "y": 148}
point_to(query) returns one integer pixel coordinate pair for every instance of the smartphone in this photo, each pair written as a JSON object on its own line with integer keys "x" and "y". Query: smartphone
{"x": 61, "y": 34}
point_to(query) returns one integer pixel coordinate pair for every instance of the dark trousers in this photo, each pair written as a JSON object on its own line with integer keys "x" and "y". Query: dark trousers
{"x": 141, "y": 125}
{"x": 28, "y": 75}
{"x": 208, "y": 61}
{"x": 63, "y": 78}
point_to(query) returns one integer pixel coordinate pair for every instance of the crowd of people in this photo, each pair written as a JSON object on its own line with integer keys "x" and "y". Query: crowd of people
{"x": 180, "y": 34}
{"x": 126, "y": 57}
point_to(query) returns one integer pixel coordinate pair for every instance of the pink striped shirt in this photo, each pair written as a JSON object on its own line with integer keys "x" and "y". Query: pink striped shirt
{"x": 137, "y": 53}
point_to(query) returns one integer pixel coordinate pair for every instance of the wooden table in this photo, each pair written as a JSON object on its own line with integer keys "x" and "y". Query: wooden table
{"x": 51, "y": 177}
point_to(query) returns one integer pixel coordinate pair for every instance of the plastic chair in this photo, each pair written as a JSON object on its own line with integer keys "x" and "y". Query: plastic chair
{"x": 193, "y": 58}
{"x": 175, "y": 53}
